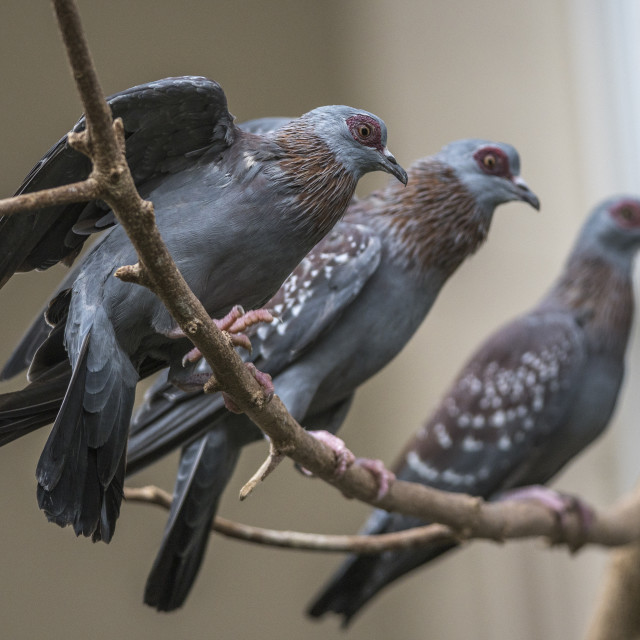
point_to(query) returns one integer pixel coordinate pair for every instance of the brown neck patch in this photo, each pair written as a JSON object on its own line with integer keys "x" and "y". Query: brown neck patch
{"x": 321, "y": 184}
{"x": 433, "y": 220}
{"x": 601, "y": 295}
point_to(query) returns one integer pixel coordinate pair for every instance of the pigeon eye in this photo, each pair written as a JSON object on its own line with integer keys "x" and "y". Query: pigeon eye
{"x": 493, "y": 162}
{"x": 627, "y": 213}
{"x": 489, "y": 161}
{"x": 365, "y": 130}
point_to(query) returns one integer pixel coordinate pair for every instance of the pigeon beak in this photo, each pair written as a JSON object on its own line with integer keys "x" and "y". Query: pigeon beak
{"x": 390, "y": 165}
{"x": 525, "y": 194}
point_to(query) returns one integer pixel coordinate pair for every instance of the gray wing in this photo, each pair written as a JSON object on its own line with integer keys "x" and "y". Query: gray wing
{"x": 314, "y": 296}
{"x": 513, "y": 396}
{"x": 167, "y": 124}
{"x": 308, "y": 304}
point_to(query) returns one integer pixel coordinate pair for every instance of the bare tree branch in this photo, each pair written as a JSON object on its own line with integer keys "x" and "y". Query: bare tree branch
{"x": 615, "y": 526}
{"x": 303, "y": 541}
{"x": 76, "y": 192}
{"x": 617, "y": 614}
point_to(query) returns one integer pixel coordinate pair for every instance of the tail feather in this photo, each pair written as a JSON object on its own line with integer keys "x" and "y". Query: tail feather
{"x": 81, "y": 469}
{"x": 205, "y": 468}
{"x": 362, "y": 577}
{"x": 167, "y": 421}
{"x": 35, "y": 406}
{"x": 111, "y": 502}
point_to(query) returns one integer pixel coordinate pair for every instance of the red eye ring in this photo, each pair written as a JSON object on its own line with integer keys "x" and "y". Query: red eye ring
{"x": 493, "y": 161}
{"x": 366, "y": 130}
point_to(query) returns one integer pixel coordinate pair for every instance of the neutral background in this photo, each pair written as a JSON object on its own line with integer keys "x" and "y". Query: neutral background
{"x": 539, "y": 75}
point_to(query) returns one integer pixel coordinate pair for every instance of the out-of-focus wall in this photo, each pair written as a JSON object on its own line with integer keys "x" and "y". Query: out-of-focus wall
{"x": 434, "y": 71}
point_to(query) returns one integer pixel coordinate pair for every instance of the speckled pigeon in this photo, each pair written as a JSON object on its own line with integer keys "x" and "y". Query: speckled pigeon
{"x": 238, "y": 212}
{"x": 534, "y": 395}
{"x": 339, "y": 325}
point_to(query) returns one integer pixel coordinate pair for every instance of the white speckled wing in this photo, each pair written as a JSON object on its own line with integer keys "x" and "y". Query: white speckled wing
{"x": 316, "y": 293}
{"x": 513, "y": 394}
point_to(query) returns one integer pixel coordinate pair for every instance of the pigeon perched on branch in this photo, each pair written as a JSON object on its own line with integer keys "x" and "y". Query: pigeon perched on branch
{"x": 237, "y": 210}
{"x": 534, "y": 395}
{"x": 345, "y": 312}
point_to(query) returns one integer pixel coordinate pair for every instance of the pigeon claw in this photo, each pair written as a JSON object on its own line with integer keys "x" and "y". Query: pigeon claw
{"x": 344, "y": 457}
{"x": 383, "y": 476}
{"x": 234, "y": 323}
{"x": 263, "y": 379}
{"x": 562, "y": 506}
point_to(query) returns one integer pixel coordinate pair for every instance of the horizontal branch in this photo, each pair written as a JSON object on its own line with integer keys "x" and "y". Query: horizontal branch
{"x": 303, "y": 541}
{"x": 611, "y": 527}
{"x": 67, "y": 194}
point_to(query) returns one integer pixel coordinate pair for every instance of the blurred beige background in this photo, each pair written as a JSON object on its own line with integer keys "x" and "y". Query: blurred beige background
{"x": 546, "y": 76}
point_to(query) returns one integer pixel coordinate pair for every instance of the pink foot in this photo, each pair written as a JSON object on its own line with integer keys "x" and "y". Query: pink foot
{"x": 234, "y": 323}
{"x": 344, "y": 457}
{"x": 560, "y": 504}
{"x": 263, "y": 379}
{"x": 383, "y": 476}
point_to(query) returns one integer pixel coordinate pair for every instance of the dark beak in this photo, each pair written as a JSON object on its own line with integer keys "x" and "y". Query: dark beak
{"x": 525, "y": 194}
{"x": 390, "y": 165}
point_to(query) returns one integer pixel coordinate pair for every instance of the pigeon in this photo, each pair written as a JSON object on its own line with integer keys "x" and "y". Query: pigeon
{"x": 237, "y": 210}
{"x": 344, "y": 313}
{"x": 533, "y": 396}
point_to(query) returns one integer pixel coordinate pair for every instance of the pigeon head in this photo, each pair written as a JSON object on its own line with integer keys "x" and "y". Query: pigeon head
{"x": 357, "y": 138}
{"x": 613, "y": 230}
{"x": 490, "y": 171}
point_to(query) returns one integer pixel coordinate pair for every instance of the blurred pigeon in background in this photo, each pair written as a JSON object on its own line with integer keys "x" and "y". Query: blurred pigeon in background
{"x": 534, "y": 395}
{"x": 237, "y": 210}
{"x": 345, "y": 312}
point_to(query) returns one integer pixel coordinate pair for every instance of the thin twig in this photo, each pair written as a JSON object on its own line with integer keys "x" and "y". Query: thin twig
{"x": 76, "y": 192}
{"x": 610, "y": 527}
{"x": 303, "y": 541}
{"x": 274, "y": 458}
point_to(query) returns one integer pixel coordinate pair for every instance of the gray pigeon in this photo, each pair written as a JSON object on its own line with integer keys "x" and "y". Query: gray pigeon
{"x": 345, "y": 312}
{"x": 534, "y": 395}
{"x": 238, "y": 212}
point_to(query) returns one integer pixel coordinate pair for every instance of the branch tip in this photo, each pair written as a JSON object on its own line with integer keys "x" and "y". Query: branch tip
{"x": 80, "y": 141}
{"x": 212, "y": 385}
{"x": 133, "y": 273}
{"x": 272, "y": 462}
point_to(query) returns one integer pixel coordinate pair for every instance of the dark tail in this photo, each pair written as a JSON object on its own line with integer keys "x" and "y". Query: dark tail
{"x": 361, "y": 577}
{"x": 168, "y": 419}
{"x": 205, "y": 469}
{"x": 81, "y": 470}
